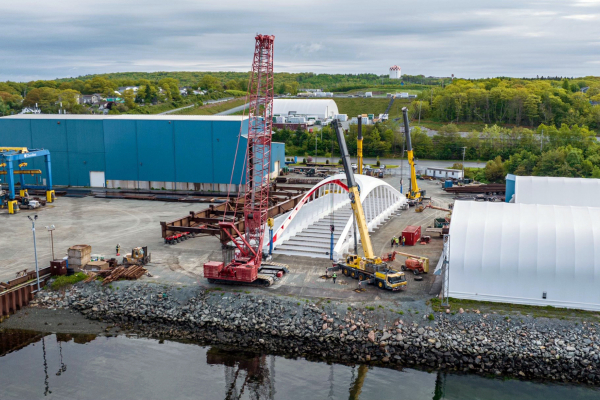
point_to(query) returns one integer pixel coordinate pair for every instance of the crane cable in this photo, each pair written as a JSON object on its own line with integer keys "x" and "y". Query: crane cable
{"x": 237, "y": 147}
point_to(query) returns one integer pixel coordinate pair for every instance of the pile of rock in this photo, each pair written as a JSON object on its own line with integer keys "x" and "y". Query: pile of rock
{"x": 473, "y": 342}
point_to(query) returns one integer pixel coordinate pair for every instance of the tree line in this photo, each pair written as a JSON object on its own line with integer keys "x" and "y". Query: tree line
{"x": 520, "y": 102}
{"x": 570, "y": 151}
{"x": 52, "y": 95}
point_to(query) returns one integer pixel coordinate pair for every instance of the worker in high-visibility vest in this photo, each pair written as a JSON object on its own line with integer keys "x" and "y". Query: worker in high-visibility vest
{"x": 334, "y": 277}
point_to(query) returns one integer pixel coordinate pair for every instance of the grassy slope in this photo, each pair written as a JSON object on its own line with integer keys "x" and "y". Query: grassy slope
{"x": 211, "y": 109}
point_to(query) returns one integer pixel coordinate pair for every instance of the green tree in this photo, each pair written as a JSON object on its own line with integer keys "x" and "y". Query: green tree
{"x": 4, "y": 108}
{"x": 170, "y": 87}
{"x": 233, "y": 85}
{"x": 209, "y": 82}
{"x": 522, "y": 163}
{"x": 99, "y": 85}
{"x": 495, "y": 170}
{"x": 532, "y": 104}
{"x": 69, "y": 98}
{"x": 129, "y": 98}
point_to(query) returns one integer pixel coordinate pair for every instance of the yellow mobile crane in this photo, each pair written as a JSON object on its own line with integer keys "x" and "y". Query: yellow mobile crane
{"x": 359, "y": 144}
{"x": 414, "y": 193}
{"x": 370, "y": 269}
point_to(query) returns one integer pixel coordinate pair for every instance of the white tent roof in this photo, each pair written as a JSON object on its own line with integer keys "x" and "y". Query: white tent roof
{"x": 321, "y": 107}
{"x": 513, "y": 253}
{"x": 557, "y": 191}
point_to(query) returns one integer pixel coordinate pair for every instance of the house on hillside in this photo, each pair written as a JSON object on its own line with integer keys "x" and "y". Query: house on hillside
{"x": 121, "y": 89}
{"x": 95, "y": 98}
{"x": 30, "y": 110}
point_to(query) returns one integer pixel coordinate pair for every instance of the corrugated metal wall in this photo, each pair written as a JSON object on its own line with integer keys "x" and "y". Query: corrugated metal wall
{"x": 198, "y": 151}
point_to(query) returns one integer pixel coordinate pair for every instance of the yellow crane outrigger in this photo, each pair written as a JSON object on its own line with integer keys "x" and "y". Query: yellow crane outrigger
{"x": 414, "y": 193}
{"x": 369, "y": 269}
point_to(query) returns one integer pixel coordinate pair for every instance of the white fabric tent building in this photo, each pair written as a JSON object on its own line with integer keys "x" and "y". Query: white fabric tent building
{"x": 320, "y": 108}
{"x": 553, "y": 190}
{"x": 525, "y": 254}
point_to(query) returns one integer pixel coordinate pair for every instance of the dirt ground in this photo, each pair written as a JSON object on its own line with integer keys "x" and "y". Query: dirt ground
{"x": 102, "y": 223}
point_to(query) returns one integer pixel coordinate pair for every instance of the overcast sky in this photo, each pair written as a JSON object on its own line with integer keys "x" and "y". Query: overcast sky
{"x": 43, "y": 39}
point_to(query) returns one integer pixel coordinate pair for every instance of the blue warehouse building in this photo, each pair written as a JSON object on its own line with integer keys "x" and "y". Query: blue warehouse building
{"x": 137, "y": 151}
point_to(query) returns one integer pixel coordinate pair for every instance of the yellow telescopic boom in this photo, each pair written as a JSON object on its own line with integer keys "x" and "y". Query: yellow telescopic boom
{"x": 354, "y": 193}
{"x": 359, "y": 147}
{"x": 414, "y": 192}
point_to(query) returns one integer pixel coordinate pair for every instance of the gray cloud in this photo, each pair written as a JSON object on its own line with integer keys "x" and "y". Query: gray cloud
{"x": 42, "y": 40}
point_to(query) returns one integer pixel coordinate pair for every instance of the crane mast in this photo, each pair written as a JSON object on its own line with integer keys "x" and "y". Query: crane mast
{"x": 258, "y": 152}
{"x": 354, "y": 193}
{"x": 414, "y": 193}
{"x": 246, "y": 266}
{"x": 370, "y": 269}
{"x": 359, "y": 147}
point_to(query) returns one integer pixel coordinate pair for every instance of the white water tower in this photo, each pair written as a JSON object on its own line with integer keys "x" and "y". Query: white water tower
{"x": 395, "y": 72}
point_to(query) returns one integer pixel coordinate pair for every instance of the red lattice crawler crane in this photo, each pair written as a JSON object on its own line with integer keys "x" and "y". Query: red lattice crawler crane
{"x": 246, "y": 267}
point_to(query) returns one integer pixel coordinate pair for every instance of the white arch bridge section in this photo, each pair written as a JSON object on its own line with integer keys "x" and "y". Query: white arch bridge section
{"x": 305, "y": 230}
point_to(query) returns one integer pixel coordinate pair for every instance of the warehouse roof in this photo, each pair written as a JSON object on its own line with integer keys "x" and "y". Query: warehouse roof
{"x": 516, "y": 253}
{"x": 324, "y": 107}
{"x": 131, "y": 116}
{"x": 557, "y": 191}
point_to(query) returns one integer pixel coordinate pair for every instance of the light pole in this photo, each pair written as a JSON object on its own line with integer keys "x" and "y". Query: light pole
{"x": 37, "y": 272}
{"x": 51, "y": 229}
{"x": 463, "y": 165}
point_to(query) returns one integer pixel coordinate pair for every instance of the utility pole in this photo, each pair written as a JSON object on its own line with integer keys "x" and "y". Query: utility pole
{"x": 420, "y": 103}
{"x": 463, "y": 164}
{"x": 51, "y": 229}
{"x": 37, "y": 272}
{"x": 316, "y": 137}
{"x": 542, "y": 142}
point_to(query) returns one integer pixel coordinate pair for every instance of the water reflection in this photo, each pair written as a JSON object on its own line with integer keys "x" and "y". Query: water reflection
{"x": 89, "y": 367}
{"x": 244, "y": 372}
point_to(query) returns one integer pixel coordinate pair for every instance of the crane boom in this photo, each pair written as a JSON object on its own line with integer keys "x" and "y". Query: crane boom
{"x": 354, "y": 193}
{"x": 359, "y": 147}
{"x": 244, "y": 265}
{"x": 414, "y": 192}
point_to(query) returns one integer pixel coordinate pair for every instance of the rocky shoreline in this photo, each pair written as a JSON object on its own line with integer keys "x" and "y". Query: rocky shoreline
{"x": 523, "y": 348}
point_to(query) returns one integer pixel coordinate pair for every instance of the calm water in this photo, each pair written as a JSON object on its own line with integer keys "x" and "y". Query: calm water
{"x": 89, "y": 367}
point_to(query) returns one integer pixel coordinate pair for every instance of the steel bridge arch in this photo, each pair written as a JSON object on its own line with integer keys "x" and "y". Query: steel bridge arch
{"x": 379, "y": 200}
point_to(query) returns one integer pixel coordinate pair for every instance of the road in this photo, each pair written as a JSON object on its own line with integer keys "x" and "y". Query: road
{"x": 193, "y": 105}
{"x": 396, "y": 161}
{"x": 234, "y": 109}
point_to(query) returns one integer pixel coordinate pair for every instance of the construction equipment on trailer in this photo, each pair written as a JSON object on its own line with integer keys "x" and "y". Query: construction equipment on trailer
{"x": 245, "y": 265}
{"x": 416, "y": 264}
{"x": 414, "y": 193}
{"x": 138, "y": 256}
{"x": 370, "y": 269}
